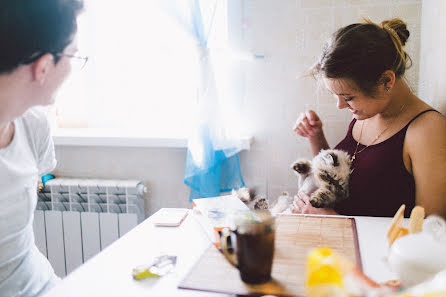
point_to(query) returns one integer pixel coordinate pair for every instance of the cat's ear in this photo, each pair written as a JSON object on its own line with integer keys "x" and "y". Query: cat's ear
{"x": 332, "y": 159}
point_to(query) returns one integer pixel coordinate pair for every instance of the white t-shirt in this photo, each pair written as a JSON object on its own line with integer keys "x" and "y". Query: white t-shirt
{"x": 24, "y": 271}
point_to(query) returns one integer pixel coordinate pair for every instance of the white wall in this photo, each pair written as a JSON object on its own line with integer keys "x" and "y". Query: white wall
{"x": 290, "y": 34}
{"x": 432, "y": 84}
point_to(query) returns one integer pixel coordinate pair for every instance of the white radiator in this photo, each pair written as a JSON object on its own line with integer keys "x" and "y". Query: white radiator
{"x": 77, "y": 218}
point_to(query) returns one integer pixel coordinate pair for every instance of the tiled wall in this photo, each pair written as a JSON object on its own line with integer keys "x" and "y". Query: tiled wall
{"x": 289, "y": 33}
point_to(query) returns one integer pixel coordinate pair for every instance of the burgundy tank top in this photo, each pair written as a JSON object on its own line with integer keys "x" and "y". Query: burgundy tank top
{"x": 379, "y": 183}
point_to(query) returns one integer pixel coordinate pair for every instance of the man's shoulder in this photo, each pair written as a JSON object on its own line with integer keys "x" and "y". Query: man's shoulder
{"x": 36, "y": 126}
{"x": 35, "y": 122}
{"x": 35, "y": 117}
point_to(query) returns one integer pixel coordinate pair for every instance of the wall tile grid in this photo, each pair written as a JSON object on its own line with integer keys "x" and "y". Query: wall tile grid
{"x": 290, "y": 34}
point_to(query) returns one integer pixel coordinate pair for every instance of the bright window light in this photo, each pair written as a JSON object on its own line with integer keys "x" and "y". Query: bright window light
{"x": 142, "y": 72}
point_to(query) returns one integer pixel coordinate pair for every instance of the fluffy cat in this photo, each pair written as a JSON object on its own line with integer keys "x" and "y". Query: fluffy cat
{"x": 325, "y": 178}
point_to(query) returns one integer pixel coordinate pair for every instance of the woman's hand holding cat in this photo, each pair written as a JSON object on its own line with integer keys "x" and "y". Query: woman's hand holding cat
{"x": 302, "y": 201}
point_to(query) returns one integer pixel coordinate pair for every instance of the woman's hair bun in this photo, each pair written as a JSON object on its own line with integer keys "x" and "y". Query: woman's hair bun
{"x": 399, "y": 27}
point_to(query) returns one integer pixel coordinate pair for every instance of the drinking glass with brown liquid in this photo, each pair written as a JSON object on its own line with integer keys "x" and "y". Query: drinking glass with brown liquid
{"x": 254, "y": 249}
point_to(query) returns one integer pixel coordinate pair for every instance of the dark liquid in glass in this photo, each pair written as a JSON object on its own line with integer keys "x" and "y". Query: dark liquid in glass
{"x": 255, "y": 256}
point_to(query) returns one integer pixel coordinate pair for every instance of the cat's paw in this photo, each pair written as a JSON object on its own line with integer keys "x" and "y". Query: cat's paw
{"x": 322, "y": 199}
{"x": 301, "y": 166}
{"x": 243, "y": 194}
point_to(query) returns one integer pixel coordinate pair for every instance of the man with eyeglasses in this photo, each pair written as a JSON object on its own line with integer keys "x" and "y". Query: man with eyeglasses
{"x": 36, "y": 50}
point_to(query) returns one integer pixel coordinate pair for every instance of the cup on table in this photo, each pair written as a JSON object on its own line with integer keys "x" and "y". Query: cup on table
{"x": 254, "y": 248}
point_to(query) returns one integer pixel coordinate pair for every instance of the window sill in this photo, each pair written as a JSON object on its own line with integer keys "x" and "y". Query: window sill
{"x": 95, "y": 138}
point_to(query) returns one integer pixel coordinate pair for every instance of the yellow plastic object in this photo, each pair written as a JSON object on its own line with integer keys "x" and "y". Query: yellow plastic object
{"x": 324, "y": 274}
{"x": 160, "y": 266}
{"x": 142, "y": 273}
{"x": 323, "y": 267}
{"x": 40, "y": 185}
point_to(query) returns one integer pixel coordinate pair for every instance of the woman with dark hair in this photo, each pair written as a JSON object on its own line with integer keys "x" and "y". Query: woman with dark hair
{"x": 36, "y": 47}
{"x": 397, "y": 142}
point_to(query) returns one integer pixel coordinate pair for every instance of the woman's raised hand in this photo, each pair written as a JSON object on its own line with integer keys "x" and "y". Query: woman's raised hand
{"x": 308, "y": 124}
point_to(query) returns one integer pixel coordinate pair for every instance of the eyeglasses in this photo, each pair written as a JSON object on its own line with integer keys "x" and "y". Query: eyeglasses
{"x": 78, "y": 62}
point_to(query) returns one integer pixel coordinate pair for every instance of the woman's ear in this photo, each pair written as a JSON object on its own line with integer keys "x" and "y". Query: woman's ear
{"x": 42, "y": 67}
{"x": 388, "y": 79}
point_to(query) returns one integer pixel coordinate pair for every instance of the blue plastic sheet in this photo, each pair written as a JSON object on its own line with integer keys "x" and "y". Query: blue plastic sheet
{"x": 213, "y": 172}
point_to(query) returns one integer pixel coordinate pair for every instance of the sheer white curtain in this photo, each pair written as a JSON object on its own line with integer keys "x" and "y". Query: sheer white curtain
{"x": 212, "y": 164}
{"x": 161, "y": 69}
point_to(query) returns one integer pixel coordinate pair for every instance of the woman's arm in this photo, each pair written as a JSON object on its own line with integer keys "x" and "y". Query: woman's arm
{"x": 318, "y": 142}
{"x": 426, "y": 146}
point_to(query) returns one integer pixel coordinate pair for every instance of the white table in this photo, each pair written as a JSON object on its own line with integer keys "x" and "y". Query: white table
{"x": 109, "y": 273}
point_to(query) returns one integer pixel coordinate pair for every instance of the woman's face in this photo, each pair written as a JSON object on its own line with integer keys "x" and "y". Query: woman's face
{"x": 348, "y": 96}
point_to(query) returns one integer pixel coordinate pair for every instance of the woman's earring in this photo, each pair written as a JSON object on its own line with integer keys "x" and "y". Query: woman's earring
{"x": 387, "y": 89}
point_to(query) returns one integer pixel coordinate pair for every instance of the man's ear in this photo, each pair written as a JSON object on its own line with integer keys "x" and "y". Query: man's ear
{"x": 388, "y": 79}
{"x": 42, "y": 67}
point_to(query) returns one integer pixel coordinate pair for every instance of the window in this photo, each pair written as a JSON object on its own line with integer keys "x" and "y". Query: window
{"x": 142, "y": 74}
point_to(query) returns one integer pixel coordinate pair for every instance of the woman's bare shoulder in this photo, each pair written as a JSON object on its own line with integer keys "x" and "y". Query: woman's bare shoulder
{"x": 427, "y": 129}
{"x": 428, "y": 120}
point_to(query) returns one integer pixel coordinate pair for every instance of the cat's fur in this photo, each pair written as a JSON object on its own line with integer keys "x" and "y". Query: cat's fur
{"x": 251, "y": 199}
{"x": 325, "y": 178}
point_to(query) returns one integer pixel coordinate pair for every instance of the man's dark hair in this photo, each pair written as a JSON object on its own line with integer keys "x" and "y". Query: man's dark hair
{"x": 31, "y": 28}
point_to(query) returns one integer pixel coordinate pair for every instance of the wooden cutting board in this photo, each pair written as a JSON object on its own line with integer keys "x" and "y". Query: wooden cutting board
{"x": 296, "y": 235}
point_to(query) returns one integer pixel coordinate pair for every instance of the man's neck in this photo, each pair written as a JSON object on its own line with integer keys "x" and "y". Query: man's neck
{"x": 6, "y": 133}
